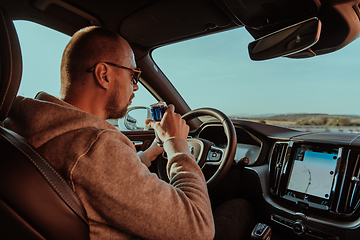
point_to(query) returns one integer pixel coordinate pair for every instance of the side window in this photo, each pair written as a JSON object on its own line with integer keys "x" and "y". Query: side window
{"x": 42, "y": 50}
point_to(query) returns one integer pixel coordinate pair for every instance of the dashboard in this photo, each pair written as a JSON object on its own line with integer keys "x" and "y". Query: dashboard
{"x": 304, "y": 185}
{"x": 247, "y": 146}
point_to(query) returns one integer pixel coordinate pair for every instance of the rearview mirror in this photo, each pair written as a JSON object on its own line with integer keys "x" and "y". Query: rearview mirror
{"x": 287, "y": 41}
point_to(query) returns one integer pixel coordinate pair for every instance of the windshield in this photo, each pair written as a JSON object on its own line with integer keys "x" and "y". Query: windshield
{"x": 216, "y": 71}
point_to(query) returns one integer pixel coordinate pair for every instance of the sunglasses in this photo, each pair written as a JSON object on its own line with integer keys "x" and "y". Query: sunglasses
{"x": 136, "y": 72}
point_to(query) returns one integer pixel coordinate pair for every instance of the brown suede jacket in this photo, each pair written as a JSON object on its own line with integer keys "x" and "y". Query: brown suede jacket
{"x": 122, "y": 198}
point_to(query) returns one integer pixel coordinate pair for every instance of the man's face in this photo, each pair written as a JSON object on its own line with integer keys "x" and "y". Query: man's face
{"x": 122, "y": 87}
{"x": 117, "y": 106}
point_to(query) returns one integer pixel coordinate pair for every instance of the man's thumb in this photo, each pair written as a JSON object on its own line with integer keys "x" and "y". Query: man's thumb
{"x": 150, "y": 122}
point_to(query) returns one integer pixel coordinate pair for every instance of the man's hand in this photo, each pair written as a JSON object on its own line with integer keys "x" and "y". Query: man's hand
{"x": 171, "y": 125}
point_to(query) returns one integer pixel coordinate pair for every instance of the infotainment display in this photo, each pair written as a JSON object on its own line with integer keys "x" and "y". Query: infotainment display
{"x": 312, "y": 175}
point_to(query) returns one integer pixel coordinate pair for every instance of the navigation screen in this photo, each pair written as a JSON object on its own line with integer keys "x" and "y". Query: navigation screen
{"x": 312, "y": 175}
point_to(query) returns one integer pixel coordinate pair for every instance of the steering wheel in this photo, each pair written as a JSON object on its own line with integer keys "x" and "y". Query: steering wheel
{"x": 206, "y": 152}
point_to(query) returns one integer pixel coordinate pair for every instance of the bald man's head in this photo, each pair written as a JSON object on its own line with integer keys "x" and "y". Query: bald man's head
{"x": 87, "y": 47}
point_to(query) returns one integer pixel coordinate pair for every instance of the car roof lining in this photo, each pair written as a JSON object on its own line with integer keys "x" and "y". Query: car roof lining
{"x": 147, "y": 24}
{"x": 166, "y": 21}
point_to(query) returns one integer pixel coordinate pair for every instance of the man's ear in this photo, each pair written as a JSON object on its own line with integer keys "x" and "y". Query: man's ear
{"x": 101, "y": 72}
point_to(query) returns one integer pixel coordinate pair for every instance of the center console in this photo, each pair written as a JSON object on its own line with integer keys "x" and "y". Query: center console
{"x": 316, "y": 188}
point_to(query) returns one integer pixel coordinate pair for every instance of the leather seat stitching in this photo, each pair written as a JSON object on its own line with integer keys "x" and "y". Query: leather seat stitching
{"x": 11, "y": 63}
{"x": 52, "y": 184}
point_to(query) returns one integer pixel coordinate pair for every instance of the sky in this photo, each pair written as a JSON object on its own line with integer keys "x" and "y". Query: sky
{"x": 216, "y": 71}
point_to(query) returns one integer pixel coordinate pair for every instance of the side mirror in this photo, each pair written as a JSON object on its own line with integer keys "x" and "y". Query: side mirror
{"x": 134, "y": 119}
{"x": 287, "y": 41}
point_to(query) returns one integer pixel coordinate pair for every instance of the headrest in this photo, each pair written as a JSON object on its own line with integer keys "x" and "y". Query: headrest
{"x": 10, "y": 64}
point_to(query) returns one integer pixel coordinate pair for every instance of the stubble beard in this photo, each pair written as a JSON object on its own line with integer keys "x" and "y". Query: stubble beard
{"x": 113, "y": 109}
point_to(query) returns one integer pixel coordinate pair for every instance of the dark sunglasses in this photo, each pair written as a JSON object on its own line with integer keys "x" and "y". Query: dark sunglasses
{"x": 135, "y": 76}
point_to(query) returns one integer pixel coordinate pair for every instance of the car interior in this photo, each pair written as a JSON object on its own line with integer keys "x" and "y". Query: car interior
{"x": 36, "y": 203}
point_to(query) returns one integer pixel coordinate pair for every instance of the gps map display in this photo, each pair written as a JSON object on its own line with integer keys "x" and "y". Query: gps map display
{"x": 312, "y": 175}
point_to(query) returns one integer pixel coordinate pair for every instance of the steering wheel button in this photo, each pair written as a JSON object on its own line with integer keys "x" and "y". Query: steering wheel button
{"x": 214, "y": 156}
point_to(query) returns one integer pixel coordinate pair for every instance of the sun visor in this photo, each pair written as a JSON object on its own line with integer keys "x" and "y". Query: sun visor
{"x": 262, "y": 14}
{"x": 167, "y": 21}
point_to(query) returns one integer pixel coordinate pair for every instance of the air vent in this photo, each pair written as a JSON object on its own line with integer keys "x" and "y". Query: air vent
{"x": 277, "y": 165}
{"x": 349, "y": 199}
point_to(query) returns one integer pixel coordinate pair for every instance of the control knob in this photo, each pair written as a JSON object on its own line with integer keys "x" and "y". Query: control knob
{"x": 299, "y": 227}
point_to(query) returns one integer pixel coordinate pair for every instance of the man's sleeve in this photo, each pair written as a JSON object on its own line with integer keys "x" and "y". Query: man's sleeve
{"x": 144, "y": 159}
{"x": 119, "y": 191}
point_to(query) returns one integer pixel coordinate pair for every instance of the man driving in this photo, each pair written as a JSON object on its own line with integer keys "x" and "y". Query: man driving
{"x": 122, "y": 198}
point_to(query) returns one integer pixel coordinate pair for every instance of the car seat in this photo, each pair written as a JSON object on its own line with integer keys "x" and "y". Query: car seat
{"x": 35, "y": 202}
